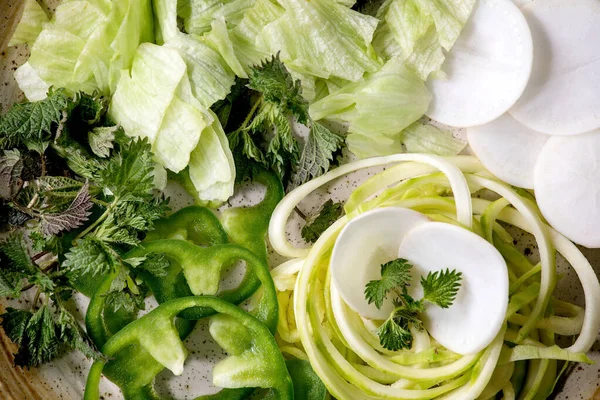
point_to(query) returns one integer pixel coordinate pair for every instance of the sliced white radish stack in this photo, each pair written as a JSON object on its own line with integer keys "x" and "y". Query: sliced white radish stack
{"x": 562, "y": 97}
{"x": 567, "y": 186}
{"x": 365, "y": 243}
{"x": 478, "y": 312}
{"x": 508, "y": 149}
{"x": 488, "y": 67}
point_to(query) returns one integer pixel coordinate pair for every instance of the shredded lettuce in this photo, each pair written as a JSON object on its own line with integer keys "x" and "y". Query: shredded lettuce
{"x": 198, "y": 15}
{"x": 210, "y": 76}
{"x": 30, "y": 83}
{"x": 376, "y": 109}
{"x": 86, "y": 45}
{"x": 212, "y": 169}
{"x": 163, "y": 110}
{"x": 245, "y": 34}
{"x": 30, "y": 25}
{"x": 155, "y": 101}
{"x": 420, "y": 138}
{"x": 322, "y": 38}
{"x": 373, "y": 145}
{"x": 417, "y": 31}
{"x": 218, "y": 38}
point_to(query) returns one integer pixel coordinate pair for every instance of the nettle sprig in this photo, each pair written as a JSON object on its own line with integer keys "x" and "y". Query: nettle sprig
{"x": 258, "y": 116}
{"x": 78, "y": 194}
{"x": 439, "y": 288}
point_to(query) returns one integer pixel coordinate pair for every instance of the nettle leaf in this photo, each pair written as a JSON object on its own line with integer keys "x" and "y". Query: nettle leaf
{"x": 79, "y": 160}
{"x": 274, "y": 81}
{"x": 73, "y": 217}
{"x": 11, "y": 168}
{"x": 156, "y": 264}
{"x": 327, "y": 215}
{"x": 73, "y": 335}
{"x": 128, "y": 218}
{"x": 14, "y": 322}
{"x": 101, "y": 140}
{"x": 59, "y": 190}
{"x": 91, "y": 108}
{"x": 38, "y": 343}
{"x": 15, "y": 249}
{"x": 125, "y": 294}
{"x": 130, "y": 173}
{"x": 58, "y": 184}
{"x": 11, "y": 283}
{"x": 283, "y": 149}
{"x": 317, "y": 154}
{"x": 89, "y": 256}
{"x": 33, "y": 121}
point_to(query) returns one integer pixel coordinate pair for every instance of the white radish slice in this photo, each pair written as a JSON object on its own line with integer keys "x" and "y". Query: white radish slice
{"x": 562, "y": 97}
{"x": 508, "y": 149}
{"x": 567, "y": 186}
{"x": 365, "y": 243}
{"x": 478, "y": 313}
{"x": 522, "y": 3}
{"x": 488, "y": 67}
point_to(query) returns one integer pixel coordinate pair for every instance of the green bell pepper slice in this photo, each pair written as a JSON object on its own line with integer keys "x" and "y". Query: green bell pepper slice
{"x": 195, "y": 224}
{"x": 203, "y": 268}
{"x": 248, "y": 226}
{"x": 254, "y": 358}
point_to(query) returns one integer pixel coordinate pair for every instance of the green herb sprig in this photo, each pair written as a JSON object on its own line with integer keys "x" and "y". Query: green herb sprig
{"x": 440, "y": 288}
{"x": 78, "y": 194}
{"x": 262, "y": 135}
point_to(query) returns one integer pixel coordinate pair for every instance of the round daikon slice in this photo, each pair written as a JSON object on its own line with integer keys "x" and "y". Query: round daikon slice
{"x": 567, "y": 186}
{"x": 487, "y": 69}
{"x": 478, "y": 312}
{"x": 508, "y": 149}
{"x": 562, "y": 97}
{"x": 365, "y": 243}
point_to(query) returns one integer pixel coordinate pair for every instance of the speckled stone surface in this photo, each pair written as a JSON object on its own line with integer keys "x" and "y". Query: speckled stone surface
{"x": 65, "y": 378}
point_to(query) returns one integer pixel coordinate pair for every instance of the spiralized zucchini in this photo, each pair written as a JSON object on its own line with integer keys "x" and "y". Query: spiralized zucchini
{"x": 343, "y": 348}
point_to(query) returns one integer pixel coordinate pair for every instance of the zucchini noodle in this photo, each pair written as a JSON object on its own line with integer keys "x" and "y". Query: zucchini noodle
{"x": 343, "y": 348}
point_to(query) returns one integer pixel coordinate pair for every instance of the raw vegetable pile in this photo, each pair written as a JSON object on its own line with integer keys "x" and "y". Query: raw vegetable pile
{"x": 126, "y": 95}
{"x": 344, "y": 348}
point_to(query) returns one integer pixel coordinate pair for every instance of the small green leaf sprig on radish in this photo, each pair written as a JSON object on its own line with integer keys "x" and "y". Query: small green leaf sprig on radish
{"x": 440, "y": 288}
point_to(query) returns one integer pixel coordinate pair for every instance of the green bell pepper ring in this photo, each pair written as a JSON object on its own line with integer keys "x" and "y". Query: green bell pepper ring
{"x": 194, "y": 223}
{"x": 248, "y": 226}
{"x": 203, "y": 268}
{"x": 254, "y": 358}
{"x": 307, "y": 384}
{"x": 198, "y": 272}
{"x": 124, "y": 370}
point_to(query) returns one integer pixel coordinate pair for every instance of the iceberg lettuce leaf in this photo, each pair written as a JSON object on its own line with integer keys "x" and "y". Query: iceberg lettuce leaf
{"x": 417, "y": 31}
{"x": 212, "y": 168}
{"x": 30, "y": 25}
{"x": 244, "y": 35}
{"x": 322, "y": 38}
{"x": 218, "y": 38}
{"x": 198, "y": 15}
{"x": 421, "y": 138}
{"x": 87, "y": 43}
{"x": 373, "y": 145}
{"x": 384, "y": 102}
{"x": 210, "y": 75}
{"x": 155, "y": 101}
{"x": 144, "y": 95}
{"x": 34, "y": 87}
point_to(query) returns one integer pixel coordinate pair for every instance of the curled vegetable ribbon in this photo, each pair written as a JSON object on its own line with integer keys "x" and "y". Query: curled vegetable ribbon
{"x": 342, "y": 347}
